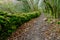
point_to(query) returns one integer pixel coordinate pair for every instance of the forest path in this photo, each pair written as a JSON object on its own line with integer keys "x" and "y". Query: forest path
{"x": 37, "y": 29}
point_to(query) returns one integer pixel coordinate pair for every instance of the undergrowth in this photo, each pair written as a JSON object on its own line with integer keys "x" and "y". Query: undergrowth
{"x": 10, "y": 22}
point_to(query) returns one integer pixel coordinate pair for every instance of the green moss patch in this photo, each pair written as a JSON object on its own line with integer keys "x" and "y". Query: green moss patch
{"x": 10, "y": 22}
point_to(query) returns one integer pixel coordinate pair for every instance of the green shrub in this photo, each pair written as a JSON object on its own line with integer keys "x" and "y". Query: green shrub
{"x": 10, "y": 22}
{"x": 59, "y": 22}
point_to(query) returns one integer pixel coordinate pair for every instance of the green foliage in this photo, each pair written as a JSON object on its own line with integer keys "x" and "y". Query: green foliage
{"x": 10, "y": 22}
{"x": 51, "y": 6}
{"x": 59, "y": 22}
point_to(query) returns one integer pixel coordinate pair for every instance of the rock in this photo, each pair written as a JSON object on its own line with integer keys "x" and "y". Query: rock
{"x": 53, "y": 21}
{"x": 45, "y": 19}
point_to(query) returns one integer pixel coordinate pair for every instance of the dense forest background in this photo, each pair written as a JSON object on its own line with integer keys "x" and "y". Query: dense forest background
{"x": 30, "y": 5}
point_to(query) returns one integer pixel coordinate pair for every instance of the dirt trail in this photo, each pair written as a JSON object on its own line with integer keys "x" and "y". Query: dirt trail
{"x": 39, "y": 30}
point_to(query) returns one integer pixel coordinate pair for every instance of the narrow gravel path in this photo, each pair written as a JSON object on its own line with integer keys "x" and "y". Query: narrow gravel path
{"x": 38, "y": 31}
{"x": 35, "y": 33}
